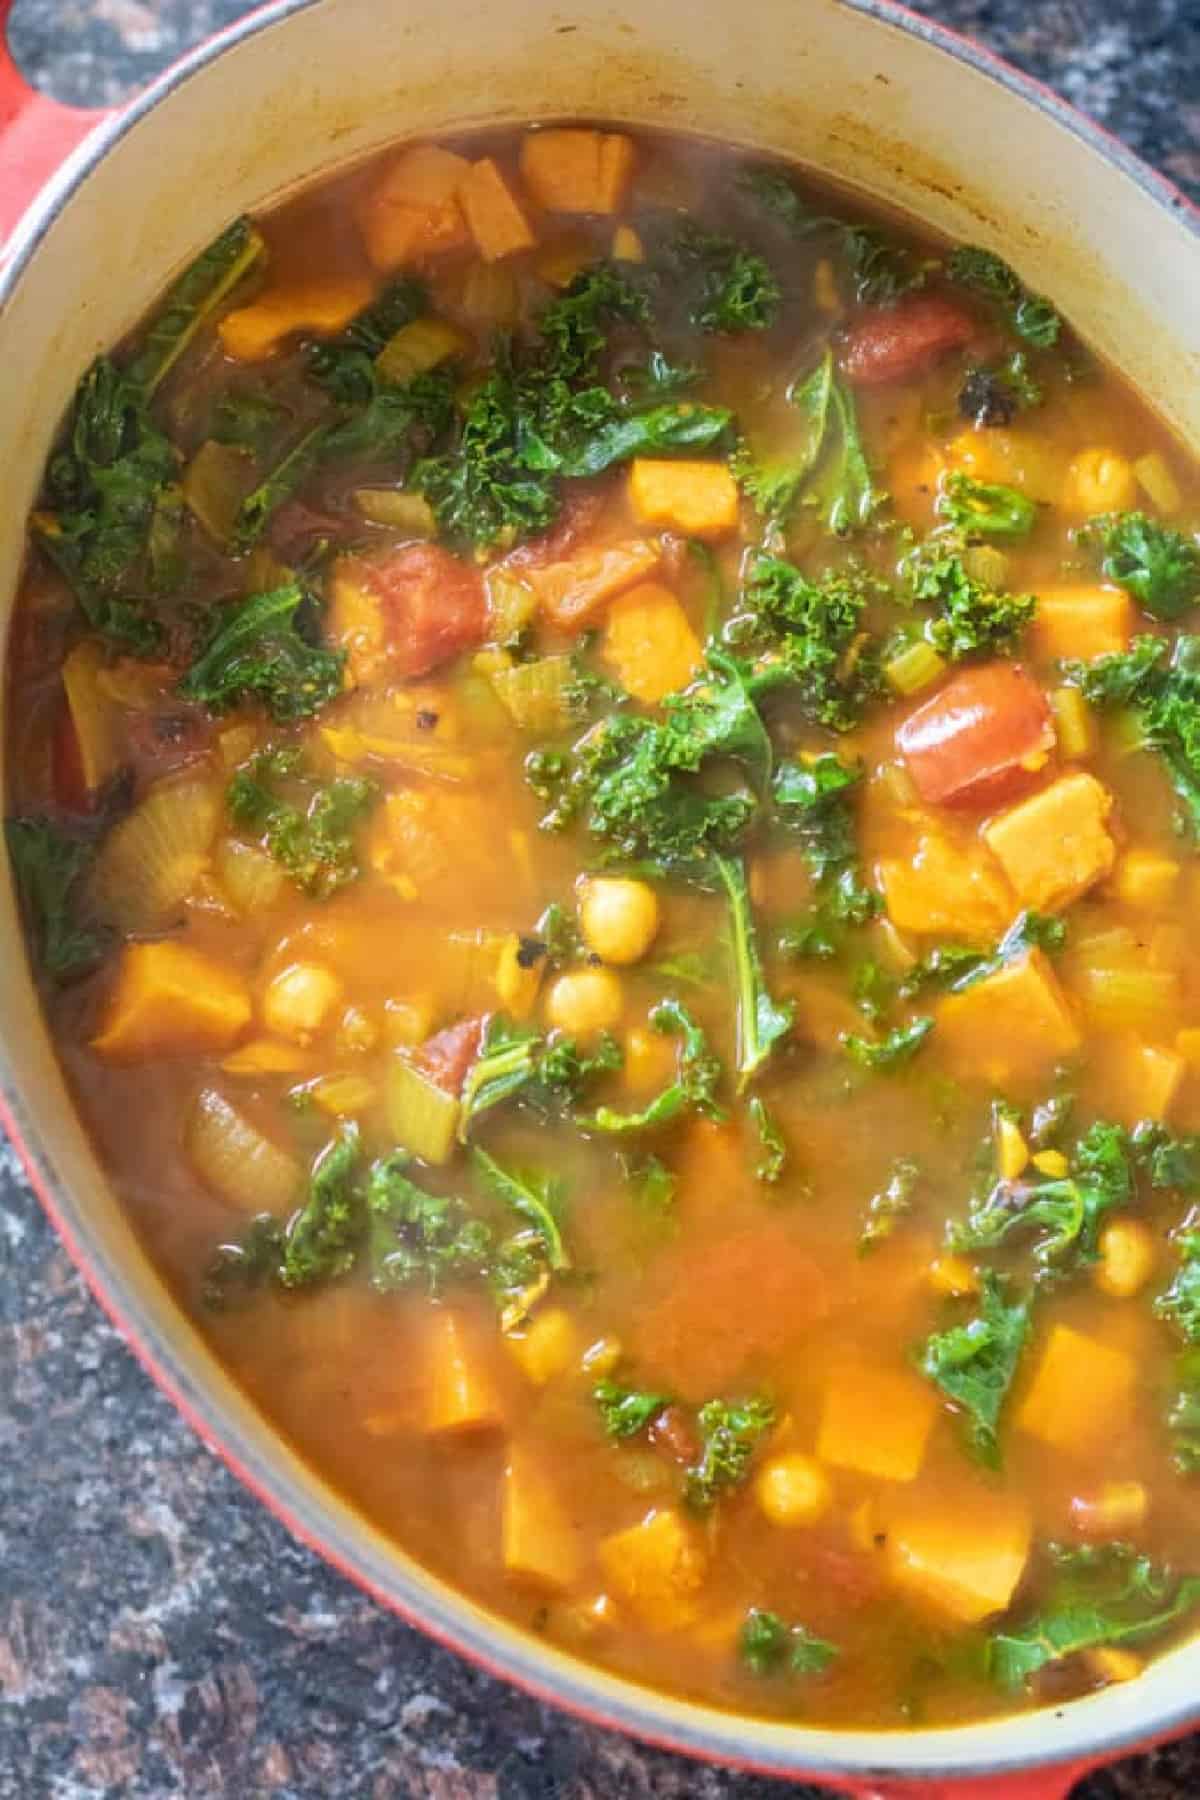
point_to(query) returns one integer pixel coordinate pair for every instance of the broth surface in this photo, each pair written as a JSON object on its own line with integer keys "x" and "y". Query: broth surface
{"x": 855, "y": 1384}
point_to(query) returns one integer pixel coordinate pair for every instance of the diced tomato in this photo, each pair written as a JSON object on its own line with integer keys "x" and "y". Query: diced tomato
{"x": 434, "y": 606}
{"x": 893, "y": 343}
{"x": 448, "y": 1054}
{"x": 979, "y": 739}
{"x": 581, "y": 511}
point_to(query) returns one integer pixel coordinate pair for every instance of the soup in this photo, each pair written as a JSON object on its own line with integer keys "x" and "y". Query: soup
{"x": 604, "y": 765}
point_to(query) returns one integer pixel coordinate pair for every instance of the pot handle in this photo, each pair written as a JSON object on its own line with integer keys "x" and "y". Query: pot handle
{"x": 36, "y": 135}
{"x": 1054, "y": 1783}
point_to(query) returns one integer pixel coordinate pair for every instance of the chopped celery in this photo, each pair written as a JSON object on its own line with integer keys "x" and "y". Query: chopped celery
{"x": 1073, "y": 722}
{"x": 914, "y": 667}
{"x": 417, "y": 348}
{"x": 511, "y": 605}
{"x": 393, "y": 507}
{"x": 534, "y": 693}
{"x": 215, "y": 483}
{"x": 1157, "y": 482}
{"x": 422, "y": 1117}
{"x": 1130, "y": 997}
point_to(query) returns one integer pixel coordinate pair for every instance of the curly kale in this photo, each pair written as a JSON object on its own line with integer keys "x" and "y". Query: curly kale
{"x": 345, "y": 364}
{"x": 762, "y": 1021}
{"x": 1158, "y": 565}
{"x": 49, "y": 866}
{"x": 985, "y": 509}
{"x": 418, "y": 1237}
{"x": 730, "y": 1433}
{"x": 548, "y": 1075}
{"x": 730, "y": 287}
{"x": 975, "y": 1364}
{"x": 694, "y": 1089}
{"x": 321, "y": 1241}
{"x": 626, "y": 1412}
{"x": 253, "y": 650}
{"x": 769, "y": 1646}
{"x": 816, "y": 644}
{"x": 972, "y": 619}
{"x": 1030, "y": 315}
{"x": 1166, "y": 700}
{"x": 310, "y": 834}
{"x": 993, "y": 394}
{"x": 878, "y": 271}
{"x": 891, "y": 1051}
{"x": 814, "y": 799}
{"x": 1063, "y": 1214}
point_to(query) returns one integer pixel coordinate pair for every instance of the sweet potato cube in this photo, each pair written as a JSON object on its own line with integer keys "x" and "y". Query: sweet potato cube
{"x": 699, "y": 499}
{"x": 355, "y": 623}
{"x": 1055, "y": 845}
{"x": 1150, "y": 1083}
{"x": 576, "y": 170}
{"x": 459, "y": 1393}
{"x": 412, "y": 213}
{"x": 1080, "y": 1395}
{"x": 547, "y": 1347}
{"x": 171, "y": 1001}
{"x": 649, "y": 643}
{"x": 947, "y": 890}
{"x": 493, "y": 212}
{"x": 1082, "y": 622}
{"x": 320, "y": 304}
{"x": 539, "y": 1543}
{"x": 876, "y": 1420}
{"x": 1012, "y": 1024}
{"x": 1146, "y": 879}
{"x": 571, "y": 591}
{"x": 657, "y": 1568}
{"x": 965, "y": 1560}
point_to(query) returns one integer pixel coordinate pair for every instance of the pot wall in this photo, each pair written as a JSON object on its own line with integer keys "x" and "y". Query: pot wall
{"x": 324, "y": 81}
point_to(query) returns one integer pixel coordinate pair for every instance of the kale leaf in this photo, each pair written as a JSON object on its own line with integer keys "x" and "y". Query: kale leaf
{"x": 1066, "y": 1212}
{"x": 1030, "y": 315}
{"x": 972, "y": 619}
{"x": 818, "y": 647}
{"x": 321, "y": 1241}
{"x": 985, "y": 509}
{"x": 1155, "y": 563}
{"x": 627, "y": 1411}
{"x": 536, "y": 1199}
{"x": 774, "y": 1158}
{"x": 415, "y": 1236}
{"x": 891, "y": 1051}
{"x": 813, "y": 799}
{"x": 192, "y": 300}
{"x": 49, "y": 867}
{"x": 730, "y": 1433}
{"x": 879, "y": 270}
{"x": 993, "y": 394}
{"x": 762, "y": 1021}
{"x": 892, "y": 1203}
{"x": 1101, "y": 1594}
{"x": 730, "y": 287}
{"x": 1180, "y": 1303}
{"x": 253, "y": 649}
{"x": 694, "y": 1089}
{"x": 975, "y": 1364}
{"x": 1167, "y": 701}
{"x": 313, "y": 841}
{"x": 768, "y": 1646}
{"x": 345, "y": 365}
{"x": 545, "y": 1074}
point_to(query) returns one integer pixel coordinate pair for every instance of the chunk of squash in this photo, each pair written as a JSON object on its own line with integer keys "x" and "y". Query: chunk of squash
{"x": 1080, "y": 1395}
{"x": 412, "y": 212}
{"x": 657, "y": 1568}
{"x": 1082, "y": 622}
{"x": 570, "y": 169}
{"x": 1151, "y": 1078}
{"x": 171, "y": 1001}
{"x": 945, "y": 889}
{"x": 1056, "y": 845}
{"x": 320, "y": 303}
{"x": 876, "y": 1420}
{"x": 572, "y": 590}
{"x": 699, "y": 499}
{"x": 494, "y": 215}
{"x": 964, "y": 1560}
{"x": 1014, "y": 1024}
{"x": 460, "y": 1396}
{"x": 649, "y": 643}
{"x": 539, "y": 1542}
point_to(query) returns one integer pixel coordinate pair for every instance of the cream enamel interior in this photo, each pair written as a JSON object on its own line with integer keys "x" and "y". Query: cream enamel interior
{"x": 312, "y": 83}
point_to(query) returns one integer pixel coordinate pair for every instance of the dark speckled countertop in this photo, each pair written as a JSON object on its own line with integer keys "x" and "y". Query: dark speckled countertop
{"x": 160, "y": 1634}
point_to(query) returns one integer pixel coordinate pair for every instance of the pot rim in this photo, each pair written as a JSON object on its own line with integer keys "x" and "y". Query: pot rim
{"x": 421, "y": 1599}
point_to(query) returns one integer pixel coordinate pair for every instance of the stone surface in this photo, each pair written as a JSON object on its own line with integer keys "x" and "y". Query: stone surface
{"x": 160, "y": 1635}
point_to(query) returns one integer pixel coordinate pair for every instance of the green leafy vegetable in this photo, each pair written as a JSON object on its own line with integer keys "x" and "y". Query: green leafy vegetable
{"x": 816, "y": 638}
{"x": 345, "y": 364}
{"x": 192, "y": 300}
{"x": 888, "y": 1052}
{"x": 534, "y": 1198}
{"x": 313, "y": 841}
{"x": 322, "y": 1240}
{"x": 975, "y": 1364}
{"x": 768, "y": 1646}
{"x": 1029, "y": 315}
{"x": 244, "y": 1263}
{"x": 49, "y": 867}
{"x": 627, "y": 1411}
{"x": 972, "y": 619}
{"x": 1167, "y": 702}
{"x": 694, "y": 1088}
{"x": 879, "y": 270}
{"x": 253, "y": 649}
{"x": 730, "y": 1434}
{"x": 955, "y": 967}
{"x": 985, "y": 509}
{"x": 1183, "y": 1414}
{"x": 774, "y": 1158}
{"x": 730, "y": 287}
{"x": 762, "y": 1021}
{"x": 1066, "y": 1213}
{"x": 547, "y": 1074}
{"x": 1104, "y": 1594}
{"x": 993, "y": 394}
{"x": 814, "y": 799}
{"x": 1155, "y": 563}
{"x": 893, "y": 1202}
{"x": 418, "y": 1237}
{"x": 1180, "y": 1303}
{"x": 775, "y": 486}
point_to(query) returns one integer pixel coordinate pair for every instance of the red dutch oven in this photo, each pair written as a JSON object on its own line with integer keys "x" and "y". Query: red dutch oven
{"x": 97, "y": 211}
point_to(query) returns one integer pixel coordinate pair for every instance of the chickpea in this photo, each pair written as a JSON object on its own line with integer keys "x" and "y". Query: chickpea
{"x": 953, "y": 1275}
{"x": 1126, "y": 1258}
{"x": 583, "y": 1002}
{"x": 618, "y": 917}
{"x": 1118, "y": 1507}
{"x": 793, "y": 1490}
{"x": 300, "y": 999}
{"x": 1100, "y": 481}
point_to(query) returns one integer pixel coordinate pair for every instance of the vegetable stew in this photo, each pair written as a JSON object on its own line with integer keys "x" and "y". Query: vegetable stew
{"x": 604, "y": 753}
